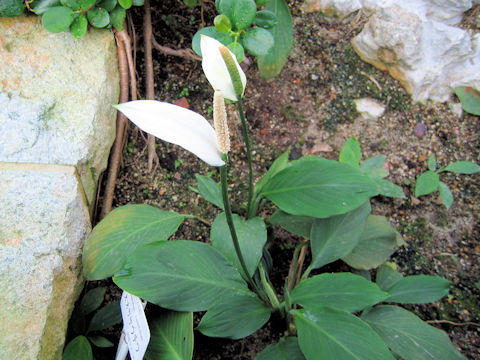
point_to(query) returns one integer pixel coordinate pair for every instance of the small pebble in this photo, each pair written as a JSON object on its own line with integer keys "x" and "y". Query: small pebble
{"x": 420, "y": 129}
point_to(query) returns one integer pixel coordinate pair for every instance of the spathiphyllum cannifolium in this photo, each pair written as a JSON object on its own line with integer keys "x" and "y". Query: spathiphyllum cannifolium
{"x": 220, "y": 122}
{"x": 224, "y": 75}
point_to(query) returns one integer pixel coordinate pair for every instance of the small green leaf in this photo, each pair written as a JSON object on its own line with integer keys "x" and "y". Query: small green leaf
{"x": 57, "y": 19}
{"x": 87, "y": 4}
{"x": 237, "y": 49}
{"x": 235, "y": 317}
{"x": 279, "y": 164}
{"x": 336, "y": 236}
{"x": 92, "y": 300}
{"x": 258, "y": 41}
{"x": 426, "y": 183}
{"x": 330, "y": 334}
{"x": 377, "y": 242}
{"x": 463, "y": 167}
{"x": 432, "y": 163}
{"x": 98, "y": 17}
{"x": 225, "y": 39}
{"x": 408, "y": 336}
{"x": 446, "y": 195}
{"x": 126, "y": 4}
{"x": 12, "y": 8}
{"x": 243, "y": 13}
{"x": 79, "y": 26}
{"x": 252, "y": 236}
{"x": 470, "y": 99}
{"x": 387, "y": 188}
{"x": 298, "y": 225}
{"x": 40, "y": 6}
{"x": 222, "y": 23}
{"x": 286, "y": 349}
{"x": 106, "y": 317}
{"x": 418, "y": 289}
{"x": 190, "y": 3}
{"x": 192, "y": 275}
{"x": 72, "y": 4}
{"x": 117, "y": 17}
{"x": 225, "y": 7}
{"x": 351, "y": 153}
{"x": 261, "y": 2}
{"x": 108, "y": 5}
{"x": 210, "y": 190}
{"x": 265, "y": 19}
{"x": 100, "y": 341}
{"x": 343, "y": 291}
{"x": 387, "y": 275}
{"x": 373, "y": 163}
{"x": 138, "y": 2}
{"x": 78, "y": 349}
{"x": 171, "y": 336}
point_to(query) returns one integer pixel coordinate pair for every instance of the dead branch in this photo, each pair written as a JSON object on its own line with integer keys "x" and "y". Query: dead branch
{"x": 184, "y": 53}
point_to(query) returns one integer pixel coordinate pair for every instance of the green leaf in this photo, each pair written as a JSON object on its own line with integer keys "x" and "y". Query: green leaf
{"x": 40, "y": 6}
{"x": 78, "y": 28}
{"x": 117, "y": 17}
{"x": 446, "y": 194}
{"x": 377, "y": 242}
{"x": 463, "y": 167}
{"x": 108, "y": 5}
{"x": 335, "y": 237}
{"x": 92, "y": 300}
{"x": 351, "y": 153}
{"x": 265, "y": 19}
{"x": 286, "y": 349}
{"x": 237, "y": 49}
{"x": 98, "y": 17}
{"x": 426, "y": 183}
{"x": 72, "y": 4}
{"x": 100, "y": 341}
{"x": 78, "y": 349}
{"x": 210, "y": 190}
{"x": 119, "y": 234}
{"x": 342, "y": 291}
{"x": 313, "y": 186}
{"x": 235, "y": 317}
{"x": 11, "y": 8}
{"x": 418, "y": 289}
{"x": 258, "y": 41}
{"x": 222, "y": 23}
{"x": 261, "y": 2}
{"x": 243, "y": 13}
{"x": 126, "y": 4}
{"x": 329, "y": 334}
{"x": 225, "y": 7}
{"x": 387, "y": 275}
{"x": 408, "y": 336}
{"x": 225, "y": 39}
{"x": 373, "y": 163}
{"x": 298, "y": 225}
{"x": 270, "y": 65}
{"x": 278, "y": 165}
{"x": 470, "y": 99}
{"x": 190, "y": 3}
{"x": 78, "y": 321}
{"x": 106, "y": 317}
{"x": 57, "y": 19}
{"x": 387, "y": 188}
{"x": 171, "y": 336}
{"x": 180, "y": 275}
{"x": 252, "y": 236}
{"x": 432, "y": 163}
{"x": 138, "y": 2}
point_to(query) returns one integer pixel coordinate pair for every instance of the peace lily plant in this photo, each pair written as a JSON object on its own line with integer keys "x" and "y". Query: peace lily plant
{"x": 327, "y": 203}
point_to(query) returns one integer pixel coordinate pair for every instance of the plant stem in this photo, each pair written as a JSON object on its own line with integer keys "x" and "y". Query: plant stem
{"x": 250, "y": 210}
{"x": 228, "y": 214}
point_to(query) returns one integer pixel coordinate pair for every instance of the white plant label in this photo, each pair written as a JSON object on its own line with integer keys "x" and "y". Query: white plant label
{"x": 135, "y": 325}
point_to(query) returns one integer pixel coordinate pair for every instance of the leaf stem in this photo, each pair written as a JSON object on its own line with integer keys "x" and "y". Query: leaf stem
{"x": 228, "y": 214}
{"x": 246, "y": 139}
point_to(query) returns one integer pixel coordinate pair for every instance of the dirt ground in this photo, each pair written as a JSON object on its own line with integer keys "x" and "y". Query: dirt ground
{"x": 309, "y": 108}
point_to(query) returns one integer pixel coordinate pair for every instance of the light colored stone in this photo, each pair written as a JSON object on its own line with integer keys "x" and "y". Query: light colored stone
{"x": 333, "y": 8}
{"x": 56, "y": 94}
{"x": 427, "y": 57}
{"x": 44, "y": 221}
{"x": 369, "y": 109}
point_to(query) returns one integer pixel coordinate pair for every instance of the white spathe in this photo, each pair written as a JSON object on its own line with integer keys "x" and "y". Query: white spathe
{"x": 176, "y": 125}
{"x": 216, "y": 70}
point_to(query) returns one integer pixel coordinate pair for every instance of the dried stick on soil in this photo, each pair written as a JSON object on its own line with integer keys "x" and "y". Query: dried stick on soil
{"x": 184, "y": 53}
{"x": 121, "y": 127}
{"x": 149, "y": 84}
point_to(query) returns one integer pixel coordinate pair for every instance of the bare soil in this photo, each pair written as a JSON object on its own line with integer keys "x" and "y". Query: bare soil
{"x": 309, "y": 109}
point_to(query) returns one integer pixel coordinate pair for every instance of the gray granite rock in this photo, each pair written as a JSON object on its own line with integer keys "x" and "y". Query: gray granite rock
{"x": 44, "y": 221}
